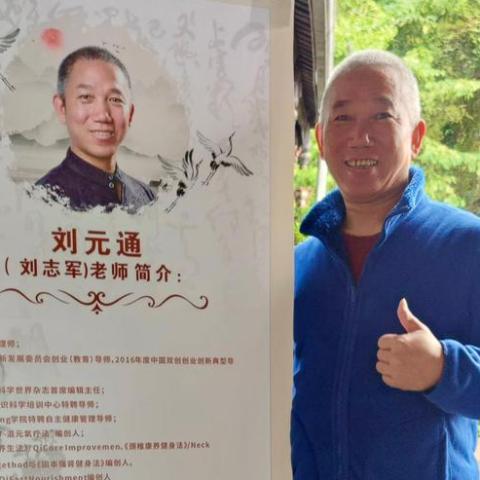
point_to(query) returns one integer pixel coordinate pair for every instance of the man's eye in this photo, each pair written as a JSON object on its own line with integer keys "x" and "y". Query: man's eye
{"x": 116, "y": 100}
{"x": 383, "y": 115}
{"x": 85, "y": 97}
{"x": 342, "y": 118}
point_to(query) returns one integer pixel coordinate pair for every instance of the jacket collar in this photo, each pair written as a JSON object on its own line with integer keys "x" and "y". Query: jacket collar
{"x": 327, "y": 216}
{"x": 91, "y": 173}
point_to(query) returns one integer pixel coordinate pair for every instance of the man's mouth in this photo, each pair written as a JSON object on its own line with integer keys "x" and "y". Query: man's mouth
{"x": 362, "y": 163}
{"x": 102, "y": 134}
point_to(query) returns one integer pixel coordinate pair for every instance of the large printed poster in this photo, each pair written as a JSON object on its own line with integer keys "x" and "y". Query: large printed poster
{"x": 134, "y": 333}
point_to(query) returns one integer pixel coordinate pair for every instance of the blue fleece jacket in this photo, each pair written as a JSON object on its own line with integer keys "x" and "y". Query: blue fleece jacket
{"x": 346, "y": 423}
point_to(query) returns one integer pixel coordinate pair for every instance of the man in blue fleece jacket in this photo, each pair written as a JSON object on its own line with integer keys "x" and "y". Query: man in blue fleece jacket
{"x": 383, "y": 389}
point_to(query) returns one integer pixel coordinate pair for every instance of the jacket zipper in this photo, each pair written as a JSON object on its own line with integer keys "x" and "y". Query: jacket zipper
{"x": 340, "y": 420}
{"x": 342, "y": 383}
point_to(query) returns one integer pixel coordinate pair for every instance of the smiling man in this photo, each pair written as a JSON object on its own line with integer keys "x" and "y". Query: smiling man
{"x": 94, "y": 101}
{"x": 384, "y": 389}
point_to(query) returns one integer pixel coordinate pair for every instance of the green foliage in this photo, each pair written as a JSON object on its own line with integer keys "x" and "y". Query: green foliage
{"x": 452, "y": 176}
{"x": 307, "y": 178}
{"x": 299, "y": 216}
{"x": 440, "y": 41}
{"x": 362, "y": 24}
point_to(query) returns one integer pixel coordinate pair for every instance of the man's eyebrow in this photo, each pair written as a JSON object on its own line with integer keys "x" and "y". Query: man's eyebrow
{"x": 340, "y": 104}
{"x": 385, "y": 101}
{"x": 117, "y": 91}
{"x": 382, "y": 99}
{"x": 113, "y": 91}
{"x": 84, "y": 86}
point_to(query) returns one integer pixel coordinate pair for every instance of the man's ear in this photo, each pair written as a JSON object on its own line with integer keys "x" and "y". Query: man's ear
{"x": 130, "y": 114}
{"x": 418, "y": 135}
{"x": 59, "y": 107}
{"x": 319, "y": 138}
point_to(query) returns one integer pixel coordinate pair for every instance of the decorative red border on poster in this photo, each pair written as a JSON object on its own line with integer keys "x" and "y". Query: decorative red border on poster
{"x": 97, "y": 300}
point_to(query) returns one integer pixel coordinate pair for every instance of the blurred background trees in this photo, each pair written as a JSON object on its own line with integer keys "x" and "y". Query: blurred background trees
{"x": 440, "y": 41}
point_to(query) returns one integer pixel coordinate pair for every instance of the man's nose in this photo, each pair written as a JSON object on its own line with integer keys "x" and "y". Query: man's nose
{"x": 360, "y": 135}
{"x": 102, "y": 111}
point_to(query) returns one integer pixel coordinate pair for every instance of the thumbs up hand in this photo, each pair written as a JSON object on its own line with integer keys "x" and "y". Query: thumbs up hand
{"x": 413, "y": 360}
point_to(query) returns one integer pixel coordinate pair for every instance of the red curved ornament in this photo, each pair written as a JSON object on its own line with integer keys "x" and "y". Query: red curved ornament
{"x": 151, "y": 303}
{"x": 38, "y": 299}
{"x": 97, "y": 300}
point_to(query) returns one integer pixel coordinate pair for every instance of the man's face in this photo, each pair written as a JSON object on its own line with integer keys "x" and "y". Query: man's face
{"x": 97, "y": 109}
{"x": 368, "y": 139}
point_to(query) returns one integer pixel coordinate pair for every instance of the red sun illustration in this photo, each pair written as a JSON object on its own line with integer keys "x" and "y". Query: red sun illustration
{"x": 52, "y": 38}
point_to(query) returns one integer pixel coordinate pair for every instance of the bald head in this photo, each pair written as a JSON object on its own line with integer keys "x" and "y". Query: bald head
{"x": 376, "y": 60}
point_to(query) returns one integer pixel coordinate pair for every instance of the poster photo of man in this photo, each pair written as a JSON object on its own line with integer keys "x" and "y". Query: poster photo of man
{"x": 135, "y": 277}
{"x": 89, "y": 112}
{"x": 94, "y": 101}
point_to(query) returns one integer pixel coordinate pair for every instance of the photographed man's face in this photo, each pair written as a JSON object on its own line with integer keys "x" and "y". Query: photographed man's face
{"x": 368, "y": 140}
{"x": 97, "y": 109}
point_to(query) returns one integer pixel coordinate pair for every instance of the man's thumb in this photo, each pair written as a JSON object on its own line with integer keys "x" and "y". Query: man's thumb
{"x": 408, "y": 320}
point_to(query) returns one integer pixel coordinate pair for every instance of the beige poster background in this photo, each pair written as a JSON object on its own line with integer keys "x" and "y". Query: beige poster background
{"x": 281, "y": 236}
{"x": 188, "y": 377}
